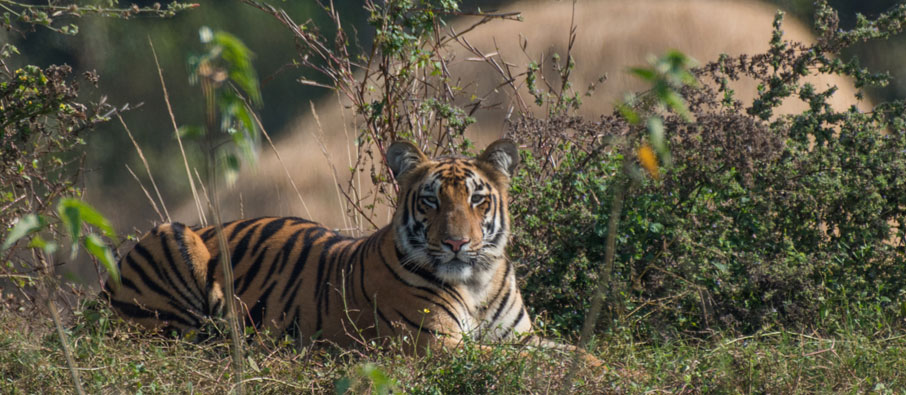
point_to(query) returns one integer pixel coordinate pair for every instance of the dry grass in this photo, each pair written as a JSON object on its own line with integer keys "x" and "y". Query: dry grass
{"x": 112, "y": 357}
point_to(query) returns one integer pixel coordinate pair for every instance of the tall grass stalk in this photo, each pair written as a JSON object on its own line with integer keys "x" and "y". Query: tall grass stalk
{"x": 58, "y": 323}
{"x": 279, "y": 159}
{"x": 141, "y": 155}
{"x": 198, "y": 206}
{"x": 232, "y": 316}
{"x": 604, "y": 274}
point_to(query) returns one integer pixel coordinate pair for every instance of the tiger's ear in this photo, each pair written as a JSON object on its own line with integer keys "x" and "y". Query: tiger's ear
{"x": 403, "y": 156}
{"x": 503, "y": 155}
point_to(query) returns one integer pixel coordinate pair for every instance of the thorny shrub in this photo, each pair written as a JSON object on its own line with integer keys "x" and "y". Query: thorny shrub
{"x": 762, "y": 221}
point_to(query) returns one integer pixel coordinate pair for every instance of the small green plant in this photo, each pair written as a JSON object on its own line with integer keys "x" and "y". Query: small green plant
{"x": 72, "y": 215}
{"x": 229, "y": 85}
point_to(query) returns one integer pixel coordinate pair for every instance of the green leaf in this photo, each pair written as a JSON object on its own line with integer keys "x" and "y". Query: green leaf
{"x": 49, "y": 247}
{"x": 238, "y": 122}
{"x": 342, "y": 385}
{"x": 87, "y": 214}
{"x": 96, "y": 247}
{"x": 231, "y": 168}
{"x": 656, "y": 133}
{"x": 26, "y": 225}
{"x": 629, "y": 114}
{"x": 253, "y": 364}
{"x": 191, "y": 131}
{"x": 677, "y": 104}
{"x": 379, "y": 380}
{"x": 240, "y": 59}
{"x": 8, "y": 50}
{"x": 644, "y": 73}
{"x": 720, "y": 266}
{"x": 72, "y": 221}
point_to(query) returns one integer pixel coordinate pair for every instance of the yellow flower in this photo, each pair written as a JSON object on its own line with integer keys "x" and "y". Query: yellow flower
{"x": 648, "y": 160}
{"x": 426, "y": 311}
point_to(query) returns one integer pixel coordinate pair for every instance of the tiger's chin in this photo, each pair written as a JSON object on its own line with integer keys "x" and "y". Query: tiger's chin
{"x": 454, "y": 271}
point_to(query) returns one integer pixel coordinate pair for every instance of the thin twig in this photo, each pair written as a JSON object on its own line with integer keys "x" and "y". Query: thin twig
{"x": 12, "y": 203}
{"x": 64, "y": 344}
{"x": 148, "y": 169}
{"x": 249, "y": 380}
{"x": 58, "y": 323}
{"x": 147, "y": 195}
{"x": 210, "y": 108}
{"x": 199, "y": 208}
{"x": 336, "y": 181}
{"x": 277, "y": 154}
{"x": 356, "y": 176}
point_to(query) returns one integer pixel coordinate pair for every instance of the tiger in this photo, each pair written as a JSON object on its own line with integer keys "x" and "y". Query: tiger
{"x": 437, "y": 273}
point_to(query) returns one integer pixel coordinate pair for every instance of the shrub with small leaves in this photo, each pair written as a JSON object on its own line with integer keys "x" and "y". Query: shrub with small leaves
{"x": 43, "y": 128}
{"x": 43, "y": 125}
{"x": 762, "y": 220}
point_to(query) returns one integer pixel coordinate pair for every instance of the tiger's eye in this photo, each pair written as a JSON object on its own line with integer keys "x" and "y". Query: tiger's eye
{"x": 477, "y": 199}
{"x": 429, "y": 201}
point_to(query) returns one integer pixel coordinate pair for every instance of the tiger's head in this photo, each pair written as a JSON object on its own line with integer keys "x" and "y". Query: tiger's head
{"x": 452, "y": 218}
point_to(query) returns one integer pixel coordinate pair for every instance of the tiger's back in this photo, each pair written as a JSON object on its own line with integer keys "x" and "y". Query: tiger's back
{"x": 438, "y": 269}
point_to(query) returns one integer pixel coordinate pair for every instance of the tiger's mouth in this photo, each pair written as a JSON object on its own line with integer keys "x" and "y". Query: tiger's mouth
{"x": 454, "y": 270}
{"x": 456, "y": 261}
{"x": 452, "y": 261}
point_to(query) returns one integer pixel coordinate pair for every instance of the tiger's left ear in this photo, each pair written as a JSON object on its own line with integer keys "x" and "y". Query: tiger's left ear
{"x": 403, "y": 156}
{"x": 503, "y": 155}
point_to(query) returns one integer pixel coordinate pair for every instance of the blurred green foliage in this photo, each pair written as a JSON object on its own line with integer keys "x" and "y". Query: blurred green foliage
{"x": 230, "y": 86}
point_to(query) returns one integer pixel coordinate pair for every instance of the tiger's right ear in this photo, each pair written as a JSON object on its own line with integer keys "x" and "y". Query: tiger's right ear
{"x": 403, "y": 156}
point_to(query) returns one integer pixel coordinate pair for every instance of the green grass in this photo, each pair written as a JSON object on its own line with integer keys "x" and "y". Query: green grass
{"x": 112, "y": 356}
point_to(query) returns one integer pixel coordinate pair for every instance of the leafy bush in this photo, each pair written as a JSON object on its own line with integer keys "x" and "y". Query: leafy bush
{"x": 43, "y": 129}
{"x": 763, "y": 220}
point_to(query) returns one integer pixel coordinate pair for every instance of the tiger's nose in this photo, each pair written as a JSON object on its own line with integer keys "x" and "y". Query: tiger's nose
{"x": 455, "y": 245}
